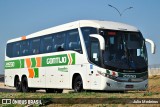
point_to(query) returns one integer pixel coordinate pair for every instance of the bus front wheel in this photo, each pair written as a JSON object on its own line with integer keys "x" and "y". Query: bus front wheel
{"x": 25, "y": 87}
{"x": 78, "y": 84}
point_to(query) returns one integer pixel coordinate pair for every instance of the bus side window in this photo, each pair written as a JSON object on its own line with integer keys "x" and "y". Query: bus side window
{"x": 59, "y": 41}
{"x": 25, "y": 47}
{"x": 16, "y": 49}
{"x": 9, "y": 51}
{"x": 86, "y": 31}
{"x": 47, "y": 44}
{"x": 35, "y": 46}
{"x": 73, "y": 42}
{"x": 95, "y": 52}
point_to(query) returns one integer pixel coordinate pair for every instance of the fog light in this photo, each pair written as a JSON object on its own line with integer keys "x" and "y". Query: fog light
{"x": 108, "y": 84}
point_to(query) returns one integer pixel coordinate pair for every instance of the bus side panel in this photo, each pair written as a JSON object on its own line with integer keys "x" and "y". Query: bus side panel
{"x": 93, "y": 78}
{"x": 10, "y": 76}
{"x": 37, "y": 79}
{"x": 77, "y": 69}
{"x": 64, "y": 80}
{"x": 54, "y": 77}
{"x": 9, "y": 79}
{"x": 51, "y": 76}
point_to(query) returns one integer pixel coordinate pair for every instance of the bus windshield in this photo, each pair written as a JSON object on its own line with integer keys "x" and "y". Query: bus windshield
{"x": 124, "y": 50}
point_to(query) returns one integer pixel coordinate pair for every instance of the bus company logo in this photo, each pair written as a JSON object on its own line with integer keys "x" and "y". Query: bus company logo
{"x": 56, "y": 60}
{"x": 9, "y": 64}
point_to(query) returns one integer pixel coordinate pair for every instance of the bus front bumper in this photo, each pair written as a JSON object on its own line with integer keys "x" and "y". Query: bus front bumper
{"x": 111, "y": 85}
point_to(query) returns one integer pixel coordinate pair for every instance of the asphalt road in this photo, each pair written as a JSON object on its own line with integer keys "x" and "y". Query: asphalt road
{"x": 6, "y": 88}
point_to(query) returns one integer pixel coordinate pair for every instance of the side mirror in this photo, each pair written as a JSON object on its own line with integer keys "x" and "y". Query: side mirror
{"x": 153, "y": 47}
{"x": 101, "y": 40}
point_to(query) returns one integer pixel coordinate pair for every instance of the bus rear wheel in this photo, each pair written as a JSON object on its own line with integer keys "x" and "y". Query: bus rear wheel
{"x": 78, "y": 84}
{"x": 18, "y": 85}
{"x": 25, "y": 87}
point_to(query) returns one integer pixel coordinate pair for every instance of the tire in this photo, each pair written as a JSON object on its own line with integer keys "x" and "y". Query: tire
{"x": 25, "y": 87}
{"x": 78, "y": 84}
{"x": 18, "y": 85}
{"x": 58, "y": 90}
{"x": 50, "y": 90}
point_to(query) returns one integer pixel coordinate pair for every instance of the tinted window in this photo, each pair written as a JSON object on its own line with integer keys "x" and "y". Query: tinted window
{"x": 16, "y": 49}
{"x": 47, "y": 44}
{"x": 59, "y": 42}
{"x": 74, "y": 41}
{"x": 9, "y": 51}
{"x": 86, "y": 31}
{"x": 25, "y": 47}
{"x": 95, "y": 52}
{"x": 35, "y": 46}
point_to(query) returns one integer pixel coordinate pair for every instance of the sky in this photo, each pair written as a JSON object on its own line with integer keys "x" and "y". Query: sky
{"x": 23, "y": 17}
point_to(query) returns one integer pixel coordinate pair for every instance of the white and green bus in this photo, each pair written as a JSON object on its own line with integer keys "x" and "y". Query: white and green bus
{"x": 81, "y": 55}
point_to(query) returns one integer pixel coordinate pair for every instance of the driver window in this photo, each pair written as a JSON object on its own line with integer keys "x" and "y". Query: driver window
{"x": 95, "y": 52}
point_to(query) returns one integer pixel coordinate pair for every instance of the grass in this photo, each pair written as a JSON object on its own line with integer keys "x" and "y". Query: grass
{"x": 152, "y": 92}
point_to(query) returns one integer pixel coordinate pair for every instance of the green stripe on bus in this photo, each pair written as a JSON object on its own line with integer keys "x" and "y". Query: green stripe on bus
{"x": 36, "y": 72}
{"x": 22, "y": 63}
{"x": 33, "y": 60}
{"x": 57, "y": 60}
{"x": 73, "y": 58}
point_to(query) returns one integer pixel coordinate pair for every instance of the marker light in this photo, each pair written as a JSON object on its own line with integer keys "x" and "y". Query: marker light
{"x": 112, "y": 33}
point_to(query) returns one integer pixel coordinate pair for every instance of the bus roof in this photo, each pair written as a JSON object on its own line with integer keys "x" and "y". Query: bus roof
{"x": 81, "y": 23}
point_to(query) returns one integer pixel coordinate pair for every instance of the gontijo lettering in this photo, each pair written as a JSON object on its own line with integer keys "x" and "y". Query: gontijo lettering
{"x": 56, "y": 60}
